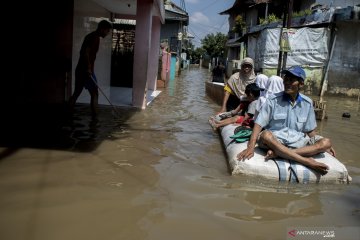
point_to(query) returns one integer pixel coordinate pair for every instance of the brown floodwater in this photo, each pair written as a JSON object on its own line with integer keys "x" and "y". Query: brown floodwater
{"x": 162, "y": 174}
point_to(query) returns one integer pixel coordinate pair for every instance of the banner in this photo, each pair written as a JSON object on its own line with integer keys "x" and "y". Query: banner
{"x": 305, "y": 46}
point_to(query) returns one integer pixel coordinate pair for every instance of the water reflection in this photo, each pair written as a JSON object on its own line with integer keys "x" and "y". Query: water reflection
{"x": 270, "y": 206}
{"x": 343, "y": 132}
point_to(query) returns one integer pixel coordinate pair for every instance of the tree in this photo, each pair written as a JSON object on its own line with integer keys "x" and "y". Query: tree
{"x": 215, "y": 45}
{"x": 198, "y": 53}
{"x": 195, "y": 54}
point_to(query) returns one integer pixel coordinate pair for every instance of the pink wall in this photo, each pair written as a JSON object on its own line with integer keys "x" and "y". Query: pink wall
{"x": 154, "y": 53}
{"x": 141, "y": 53}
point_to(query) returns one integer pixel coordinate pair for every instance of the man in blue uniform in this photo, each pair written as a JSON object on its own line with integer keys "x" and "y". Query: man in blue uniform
{"x": 289, "y": 124}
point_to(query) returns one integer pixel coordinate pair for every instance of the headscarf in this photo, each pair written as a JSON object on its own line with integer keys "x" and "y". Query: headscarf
{"x": 239, "y": 80}
{"x": 262, "y": 82}
{"x": 275, "y": 84}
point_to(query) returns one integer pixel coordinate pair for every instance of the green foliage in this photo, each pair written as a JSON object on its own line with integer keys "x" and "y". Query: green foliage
{"x": 262, "y": 21}
{"x": 197, "y": 53}
{"x": 270, "y": 19}
{"x": 273, "y": 18}
{"x": 302, "y": 13}
{"x": 214, "y": 45}
{"x": 239, "y": 24}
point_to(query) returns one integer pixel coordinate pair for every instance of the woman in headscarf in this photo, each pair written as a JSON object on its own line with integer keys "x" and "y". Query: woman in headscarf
{"x": 236, "y": 84}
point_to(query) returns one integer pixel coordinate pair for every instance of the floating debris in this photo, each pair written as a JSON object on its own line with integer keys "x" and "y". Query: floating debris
{"x": 346, "y": 115}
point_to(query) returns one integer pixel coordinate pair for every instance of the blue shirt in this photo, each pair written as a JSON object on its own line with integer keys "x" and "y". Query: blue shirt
{"x": 289, "y": 123}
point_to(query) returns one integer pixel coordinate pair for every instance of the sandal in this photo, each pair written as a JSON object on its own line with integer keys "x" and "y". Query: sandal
{"x": 212, "y": 123}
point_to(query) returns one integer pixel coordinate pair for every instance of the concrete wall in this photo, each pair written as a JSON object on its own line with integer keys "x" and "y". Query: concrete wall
{"x": 344, "y": 70}
{"x": 215, "y": 91}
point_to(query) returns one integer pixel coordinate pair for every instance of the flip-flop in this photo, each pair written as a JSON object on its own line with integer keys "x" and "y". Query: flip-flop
{"x": 212, "y": 124}
{"x": 241, "y": 140}
{"x": 239, "y": 128}
{"x": 242, "y": 134}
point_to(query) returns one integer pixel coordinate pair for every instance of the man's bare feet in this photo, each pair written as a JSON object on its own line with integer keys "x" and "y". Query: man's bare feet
{"x": 318, "y": 166}
{"x": 315, "y": 165}
{"x": 270, "y": 154}
{"x": 331, "y": 151}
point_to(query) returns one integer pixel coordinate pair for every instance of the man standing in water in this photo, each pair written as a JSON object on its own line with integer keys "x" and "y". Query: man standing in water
{"x": 289, "y": 122}
{"x": 218, "y": 73}
{"x": 84, "y": 72}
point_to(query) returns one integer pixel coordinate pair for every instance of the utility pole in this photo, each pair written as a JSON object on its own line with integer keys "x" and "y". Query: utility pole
{"x": 283, "y": 25}
{"x": 182, "y": 5}
{"x": 290, "y": 9}
{"x": 288, "y": 5}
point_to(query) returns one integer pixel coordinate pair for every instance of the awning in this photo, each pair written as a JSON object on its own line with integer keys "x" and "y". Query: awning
{"x": 235, "y": 42}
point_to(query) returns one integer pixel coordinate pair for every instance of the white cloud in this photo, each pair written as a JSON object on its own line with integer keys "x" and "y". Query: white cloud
{"x": 199, "y": 17}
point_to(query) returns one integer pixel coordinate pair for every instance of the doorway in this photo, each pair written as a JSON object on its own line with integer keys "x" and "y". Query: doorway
{"x": 122, "y": 56}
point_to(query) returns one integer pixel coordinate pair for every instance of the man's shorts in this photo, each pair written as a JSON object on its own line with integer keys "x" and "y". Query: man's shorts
{"x": 90, "y": 84}
{"x": 82, "y": 80}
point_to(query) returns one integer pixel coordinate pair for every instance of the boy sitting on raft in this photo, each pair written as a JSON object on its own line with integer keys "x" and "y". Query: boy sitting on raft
{"x": 252, "y": 92}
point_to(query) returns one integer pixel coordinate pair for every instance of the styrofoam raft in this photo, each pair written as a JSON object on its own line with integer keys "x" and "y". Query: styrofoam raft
{"x": 280, "y": 169}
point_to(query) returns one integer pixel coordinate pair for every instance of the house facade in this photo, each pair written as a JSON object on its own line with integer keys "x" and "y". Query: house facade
{"x": 174, "y": 30}
{"x": 174, "y": 41}
{"x": 44, "y": 42}
{"x": 318, "y": 37}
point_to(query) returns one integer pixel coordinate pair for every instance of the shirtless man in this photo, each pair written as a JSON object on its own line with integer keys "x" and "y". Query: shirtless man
{"x": 84, "y": 72}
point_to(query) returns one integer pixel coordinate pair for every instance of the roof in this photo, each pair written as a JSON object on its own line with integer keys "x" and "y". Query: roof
{"x": 232, "y": 9}
{"x": 174, "y": 12}
{"x": 170, "y": 6}
{"x": 242, "y": 4}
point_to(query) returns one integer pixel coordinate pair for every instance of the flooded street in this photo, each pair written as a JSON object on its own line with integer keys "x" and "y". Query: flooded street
{"x": 162, "y": 174}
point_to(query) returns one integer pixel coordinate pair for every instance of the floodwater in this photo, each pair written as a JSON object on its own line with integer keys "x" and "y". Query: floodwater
{"x": 162, "y": 174}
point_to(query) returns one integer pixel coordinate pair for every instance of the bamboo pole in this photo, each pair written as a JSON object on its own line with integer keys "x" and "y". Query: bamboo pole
{"x": 325, "y": 81}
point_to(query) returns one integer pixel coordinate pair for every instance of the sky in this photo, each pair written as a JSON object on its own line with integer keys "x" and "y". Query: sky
{"x": 205, "y": 18}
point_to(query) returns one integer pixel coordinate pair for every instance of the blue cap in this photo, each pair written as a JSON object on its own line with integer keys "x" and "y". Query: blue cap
{"x": 296, "y": 71}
